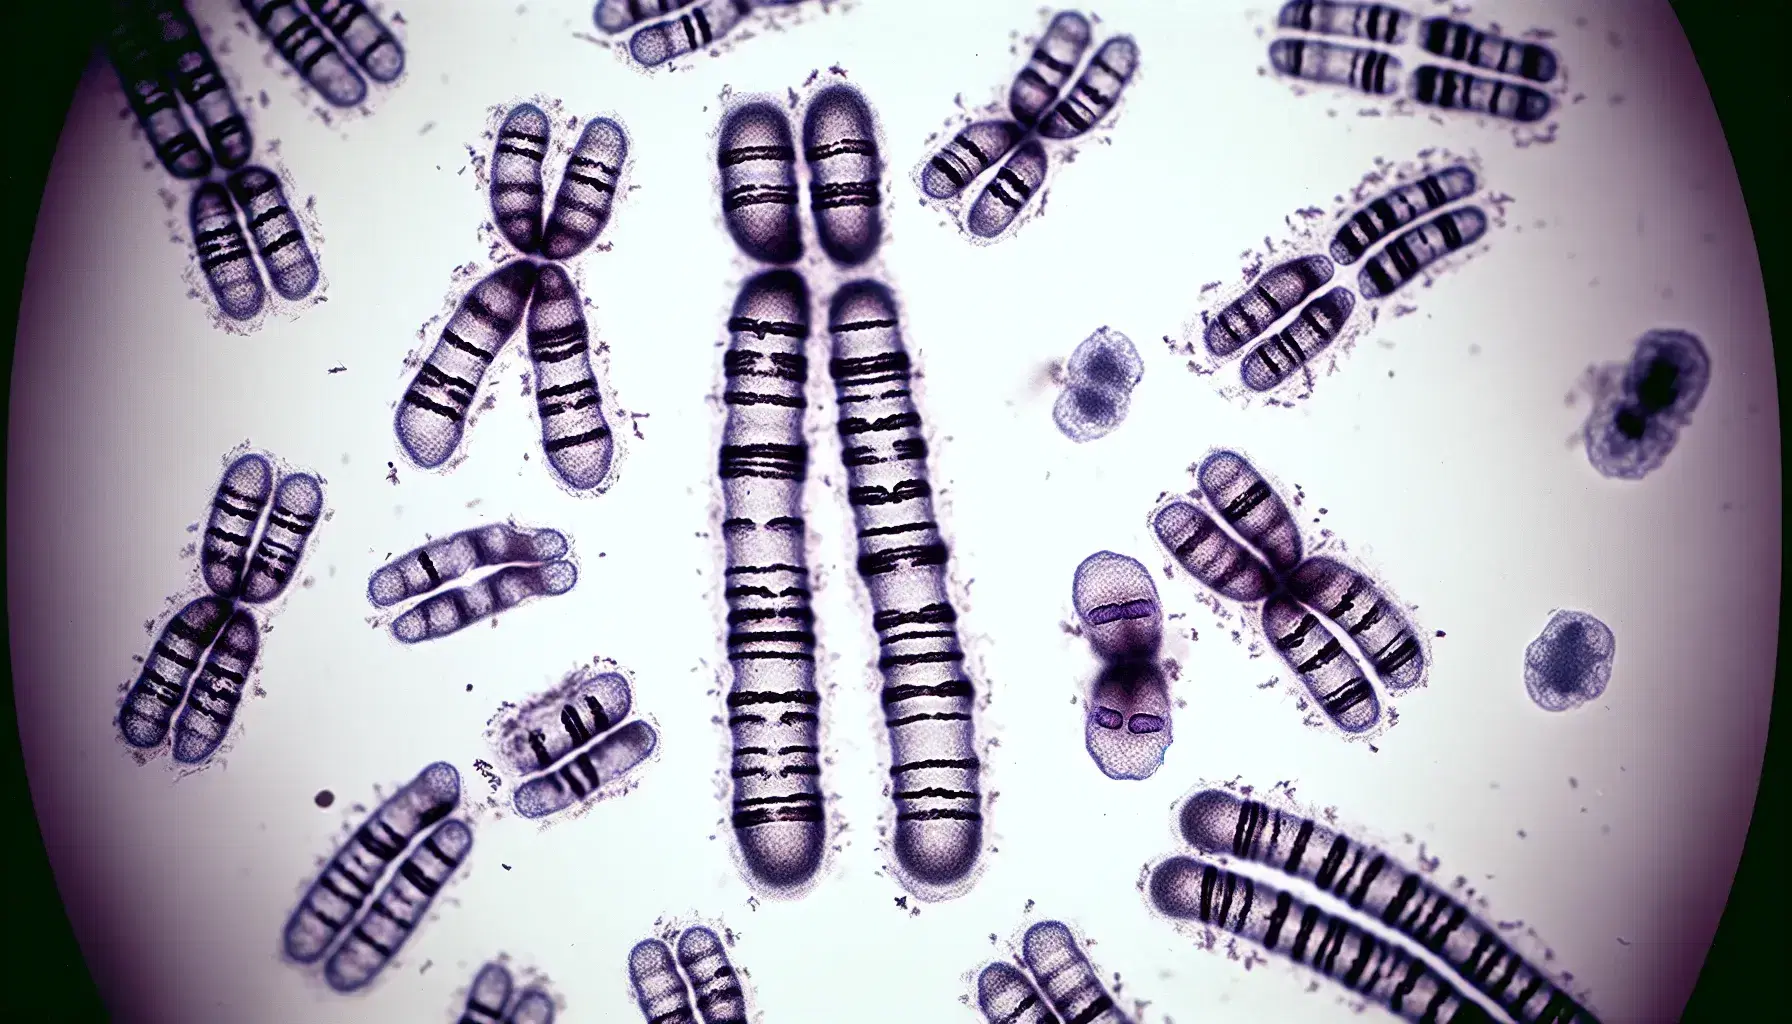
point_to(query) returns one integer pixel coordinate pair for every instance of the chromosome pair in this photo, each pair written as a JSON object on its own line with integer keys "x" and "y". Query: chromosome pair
{"x": 1282, "y": 292}
{"x": 570, "y": 745}
{"x": 1063, "y": 986}
{"x": 1037, "y": 117}
{"x": 664, "y": 983}
{"x": 1637, "y": 418}
{"x": 307, "y": 34}
{"x": 575, "y": 437}
{"x": 1101, "y": 373}
{"x": 490, "y": 996}
{"x": 773, "y": 704}
{"x": 1129, "y": 712}
{"x": 219, "y": 631}
{"x": 1333, "y": 626}
{"x": 704, "y": 22}
{"x": 159, "y": 55}
{"x": 528, "y": 564}
{"x": 335, "y": 916}
{"x": 1374, "y": 887}
{"x": 1483, "y": 73}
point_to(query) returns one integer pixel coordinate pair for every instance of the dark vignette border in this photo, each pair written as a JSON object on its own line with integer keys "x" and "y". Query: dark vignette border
{"x": 50, "y": 43}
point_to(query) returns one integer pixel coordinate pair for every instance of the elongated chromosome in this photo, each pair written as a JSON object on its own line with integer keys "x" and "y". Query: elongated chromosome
{"x": 1043, "y": 107}
{"x": 664, "y": 982}
{"x": 530, "y": 564}
{"x": 255, "y": 536}
{"x": 692, "y": 25}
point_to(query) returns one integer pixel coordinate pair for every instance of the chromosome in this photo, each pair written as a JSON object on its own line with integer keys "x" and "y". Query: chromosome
{"x": 528, "y": 564}
{"x": 664, "y": 982}
{"x": 773, "y": 705}
{"x": 489, "y": 999}
{"x": 1333, "y": 626}
{"x": 1042, "y": 115}
{"x": 1485, "y": 74}
{"x": 254, "y": 539}
{"x": 1382, "y": 234}
{"x": 702, "y": 22}
{"x": 1101, "y": 374}
{"x": 1059, "y": 984}
{"x": 575, "y": 435}
{"x": 571, "y": 746}
{"x": 406, "y": 841}
{"x": 1638, "y": 416}
{"x": 1570, "y": 663}
{"x": 1128, "y": 728}
{"x": 331, "y": 44}
{"x": 163, "y": 62}
{"x": 1373, "y": 886}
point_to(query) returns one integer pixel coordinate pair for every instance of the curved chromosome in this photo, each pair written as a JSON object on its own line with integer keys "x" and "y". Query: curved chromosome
{"x": 330, "y": 914}
{"x": 773, "y": 705}
{"x": 1570, "y": 662}
{"x": 927, "y": 695}
{"x": 1637, "y": 422}
{"x": 1101, "y": 372}
{"x": 1373, "y": 884}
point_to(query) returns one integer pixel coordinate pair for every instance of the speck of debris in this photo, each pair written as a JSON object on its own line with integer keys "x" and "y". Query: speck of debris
{"x": 902, "y": 901}
{"x": 338, "y": 369}
{"x": 504, "y": 865}
{"x": 469, "y": 687}
{"x": 324, "y": 798}
{"x": 1442, "y": 633}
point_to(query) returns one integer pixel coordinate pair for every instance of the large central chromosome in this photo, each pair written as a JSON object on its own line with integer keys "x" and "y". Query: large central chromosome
{"x": 773, "y": 704}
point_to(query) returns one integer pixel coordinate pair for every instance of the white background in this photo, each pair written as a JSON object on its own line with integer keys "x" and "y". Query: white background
{"x": 1441, "y": 449}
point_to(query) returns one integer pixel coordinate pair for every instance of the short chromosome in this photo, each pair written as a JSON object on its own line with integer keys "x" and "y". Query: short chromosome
{"x": 571, "y": 746}
{"x": 702, "y": 23}
{"x": 331, "y": 44}
{"x": 1496, "y": 86}
{"x": 406, "y": 841}
{"x": 1372, "y": 884}
{"x": 248, "y": 556}
{"x": 1128, "y": 728}
{"x": 1101, "y": 373}
{"x": 1637, "y": 419}
{"x": 1570, "y": 662}
{"x": 1062, "y": 986}
{"x": 1284, "y": 293}
{"x": 664, "y": 982}
{"x": 490, "y": 996}
{"x": 530, "y": 564}
{"x": 1335, "y": 628}
{"x": 1040, "y": 111}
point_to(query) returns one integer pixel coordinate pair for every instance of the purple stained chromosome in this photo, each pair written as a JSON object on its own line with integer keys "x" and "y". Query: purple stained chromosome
{"x": 526, "y": 564}
{"x": 1128, "y": 730}
{"x": 1058, "y": 983}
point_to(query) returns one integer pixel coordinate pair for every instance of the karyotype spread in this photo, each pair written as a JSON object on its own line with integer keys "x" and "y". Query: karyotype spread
{"x": 1041, "y": 116}
{"x": 254, "y": 539}
{"x": 407, "y": 843}
{"x": 701, "y": 23}
{"x": 1457, "y": 67}
{"x": 1058, "y": 985}
{"x": 571, "y": 746}
{"x": 664, "y": 981}
{"x": 331, "y": 44}
{"x": 1100, "y": 376}
{"x": 163, "y": 62}
{"x": 526, "y": 564}
{"x": 1369, "y": 886}
{"x": 1336, "y": 628}
{"x": 1570, "y": 663}
{"x": 1639, "y": 412}
{"x": 492, "y": 999}
{"x": 1129, "y": 712}
{"x": 773, "y": 705}
{"x": 575, "y": 436}
{"x": 1398, "y": 235}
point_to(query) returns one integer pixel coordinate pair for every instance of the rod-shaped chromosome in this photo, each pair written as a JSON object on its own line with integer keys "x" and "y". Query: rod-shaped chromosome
{"x": 702, "y": 23}
{"x": 423, "y": 569}
{"x": 365, "y": 38}
{"x": 1274, "y": 293}
{"x": 309, "y": 49}
{"x": 136, "y": 52}
{"x": 400, "y": 907}
{"x": 199, "y": 82}
{"x": 1187, "y": 889}
{"x": 1096, "y": 93}
{"x": 1372, "y": 883}
{"x": 1251, "y": 507}
{"x": 1374, "y": 622}
{"x": 237, "y": 507}
{"x": 660, "y": 990}
{"x": 1053, "y": 61}
{"x": 1415, "y": 249}
{"x": 532, "y": 1007}
{"x": 1009, "y": 192}
{"x": 545, "y": 732}
{"x": 773, "y": 704}
{"x": 574, "y": 434}
{"x": 927, "y": 695}
{"x": 1365, "y": 70}
{"x": 757, "y": 156}
{"x": 293, "y": 516}
{"x": 1377, "y": 23}
{"x": 587, "y": 190}
{"x": 150, "y": 703}
{"x": 432, "y": 414}
{"x": 971, "y": 152}
{"x": 1054, "y": 956}
{"x": 488, "y": 996}
{"x": 613, "y": 16}
{"x": 583, "y": 775}
{"x": 1209, "y": 554}
{"x": 1449, "y": 89}
{"x": 516, "y": 189}
{"x": 1323, "y": 664}
{"x": 845, "y": 195}
{"x": 224, "y": 252}
{"x": 1442, "y": 37}
{"x": 1276, "y": 358}
{"x": 275, "y": 228}
{"x": 1007, "y": 996}
{"x": 215, "y": 694}
{"x": 1388, "y": 213}
{"x": 704, "y": 961}
{"x": 348, "y": 881}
